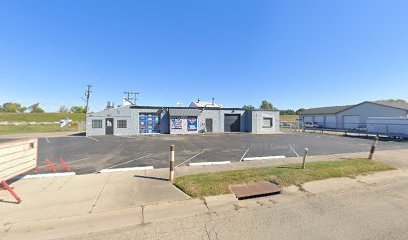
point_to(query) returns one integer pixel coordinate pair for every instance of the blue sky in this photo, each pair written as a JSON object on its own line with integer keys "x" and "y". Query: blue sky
{"x": 292, "y": 53}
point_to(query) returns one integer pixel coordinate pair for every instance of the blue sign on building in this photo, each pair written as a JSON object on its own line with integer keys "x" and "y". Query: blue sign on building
{"x": 149, "y": 122}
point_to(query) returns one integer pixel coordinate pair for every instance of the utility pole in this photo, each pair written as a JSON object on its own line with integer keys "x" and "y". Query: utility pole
{"x": 87, "y": 95}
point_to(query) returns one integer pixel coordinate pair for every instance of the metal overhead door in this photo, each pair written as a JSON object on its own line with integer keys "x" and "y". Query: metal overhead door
{"x": 232, "y": 123}
{"x": 319, "y": 120}
{"x": 351, "y": 121}
{"x": 330, "y": 122}
{"x": 307, "y": 119}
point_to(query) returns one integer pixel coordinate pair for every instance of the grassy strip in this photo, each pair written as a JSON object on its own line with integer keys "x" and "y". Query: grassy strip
{"x": 40, "y": 117}
{"x": 34, "y": 129}
{"x": 289, "y": 118}
{"x": 209, "y": 184}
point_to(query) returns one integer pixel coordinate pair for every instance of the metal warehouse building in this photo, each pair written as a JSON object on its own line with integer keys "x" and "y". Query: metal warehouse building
{"x": 354, "y": 116}
{"x": 133, "y": 120}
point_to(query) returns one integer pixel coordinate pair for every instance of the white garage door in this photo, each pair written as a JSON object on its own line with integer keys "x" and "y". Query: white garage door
{"x": 330, "y": 122}
{"x": 350, "y": 122}
{"x": 319, "y": 120}
{"x": 307, "y": 119}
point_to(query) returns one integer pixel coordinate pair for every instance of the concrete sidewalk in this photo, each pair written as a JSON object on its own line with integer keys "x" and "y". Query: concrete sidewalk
{"x": 81, "y": 204}
{"x": 59, "y": 197}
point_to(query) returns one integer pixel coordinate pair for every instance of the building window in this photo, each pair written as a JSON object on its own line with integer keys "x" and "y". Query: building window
{"x": 96, "y": 123}
{"x": 122, "y": 124}
{"x": 267, "y": 122}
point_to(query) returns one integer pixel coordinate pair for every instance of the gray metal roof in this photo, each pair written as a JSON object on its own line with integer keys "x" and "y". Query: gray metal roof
{"x": 337, "y": 109}
{"x": 400, "y": 105}
{"x": 184, "y": 112}
{"x": 326, "y": 110}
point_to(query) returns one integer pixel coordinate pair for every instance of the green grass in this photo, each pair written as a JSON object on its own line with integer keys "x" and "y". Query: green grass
{"x": 209, "y": 184}
{"x": 40, "y": 117}
{"x": 289, "y": 118}
{"x": 34, "y": 129}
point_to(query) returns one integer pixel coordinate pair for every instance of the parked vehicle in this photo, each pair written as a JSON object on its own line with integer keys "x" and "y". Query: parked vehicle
{"x": 361, "y": 128}
{"x": 65, "y": 122}
{"x": 311, "y": 125}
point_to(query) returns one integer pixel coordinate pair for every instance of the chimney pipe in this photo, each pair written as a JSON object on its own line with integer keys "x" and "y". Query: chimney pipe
{"x": 213, "y": 101}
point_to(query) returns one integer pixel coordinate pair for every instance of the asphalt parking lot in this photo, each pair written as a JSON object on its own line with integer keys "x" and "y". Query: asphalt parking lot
{"x": 88, "y": 155}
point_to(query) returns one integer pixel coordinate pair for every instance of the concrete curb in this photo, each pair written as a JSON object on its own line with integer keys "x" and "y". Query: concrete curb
{"x": 54, "y": 228}
{"x": 263, "y": 158}
{"x": 47, "y": 175}
{"x": 112, "y": 170}
{"x": 209, "y": 163}
{"x": 179, "y": 209}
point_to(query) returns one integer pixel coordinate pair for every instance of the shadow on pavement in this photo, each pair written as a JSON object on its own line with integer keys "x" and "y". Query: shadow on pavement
{"x": 83, "y": 134}
{"x": 154, "y": 178}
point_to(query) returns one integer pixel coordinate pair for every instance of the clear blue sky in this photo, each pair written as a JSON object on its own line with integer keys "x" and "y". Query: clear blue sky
{"x": 292, "y": 53}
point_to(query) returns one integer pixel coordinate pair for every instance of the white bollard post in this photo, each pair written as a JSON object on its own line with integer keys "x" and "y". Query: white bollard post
{"x": 171, "y": 177}
{"x": 304, "y": 158}
{"x": 372, "y": 150}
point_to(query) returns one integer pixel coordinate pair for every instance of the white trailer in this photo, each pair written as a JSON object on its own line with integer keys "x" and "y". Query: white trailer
{"x": 390, "y": 126}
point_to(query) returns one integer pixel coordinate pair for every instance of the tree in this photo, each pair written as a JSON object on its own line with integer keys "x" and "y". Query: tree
{"x": 63, "y": 109}
{"x": 248, "y": 107}
{"x": 287, "y": 112}
{"x": 267, "y": 105}
{"x": 35, "y": 108}
{"x": 394, "y": 100}
{"x": 300, "y": 111}
{"x": 78, "y": 109}
{"x": 12, "y": 107}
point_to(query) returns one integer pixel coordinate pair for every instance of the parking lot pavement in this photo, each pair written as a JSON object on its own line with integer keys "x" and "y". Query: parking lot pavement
{"x": 89, "y": 155}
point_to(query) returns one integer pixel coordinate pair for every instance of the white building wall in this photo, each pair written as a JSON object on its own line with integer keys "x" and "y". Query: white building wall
{"x": 366, "y": 110}
{"x": 216, "y": 118}
{"x": 388, "y": 125}
{"x": 250, "y": 121}
{"x": 257, "y": 121}
{"x": 121, "y": 113}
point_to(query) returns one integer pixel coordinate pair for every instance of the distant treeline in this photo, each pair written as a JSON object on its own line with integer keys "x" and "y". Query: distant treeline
{"x": 12, "y": 107}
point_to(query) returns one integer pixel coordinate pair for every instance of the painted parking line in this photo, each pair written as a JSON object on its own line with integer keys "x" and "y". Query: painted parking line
{"x": 198, "y": 154}
{"x": 209, "y": 163}
{"x": 294, "y": 151}
{"x": 263, "y": 158}
{"x": 149, "y": 155}
{"x": 79, "y": 160}
{"x": 243, "y": 156}
{"x": 111, "y": 170}
{"x": 46, "y": 139}
{"x": 96, "y": 140}
{"x": 48, "y": 175}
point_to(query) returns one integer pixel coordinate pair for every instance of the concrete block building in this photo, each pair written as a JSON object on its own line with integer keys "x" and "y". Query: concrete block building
{"x": 354, "y": 116}
{"x": 134, "y": 120}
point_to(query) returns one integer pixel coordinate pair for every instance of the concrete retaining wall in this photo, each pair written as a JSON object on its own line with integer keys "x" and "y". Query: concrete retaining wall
{"x": 17, "y": 157}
